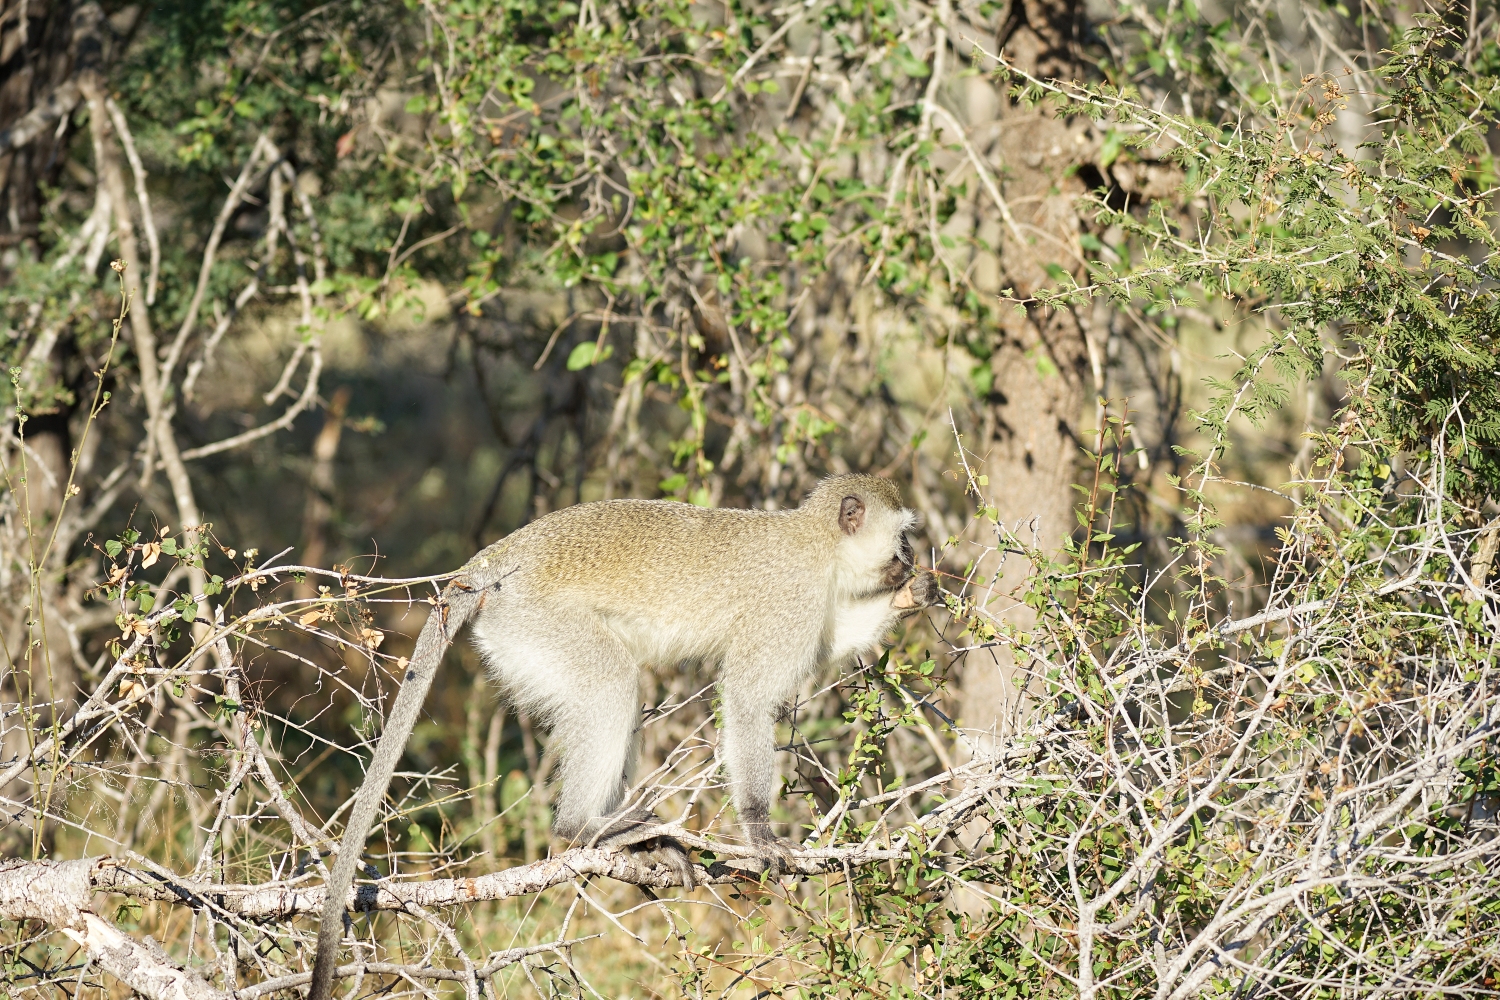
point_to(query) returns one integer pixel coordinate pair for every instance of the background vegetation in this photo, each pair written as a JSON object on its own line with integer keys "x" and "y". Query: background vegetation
{"x": 1175, "y": 321}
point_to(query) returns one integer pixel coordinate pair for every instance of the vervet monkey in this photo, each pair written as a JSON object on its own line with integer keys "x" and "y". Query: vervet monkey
{"x": 569, "y": 609}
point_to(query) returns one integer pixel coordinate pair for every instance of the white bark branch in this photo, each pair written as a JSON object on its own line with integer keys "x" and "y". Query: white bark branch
{"x": 279, "y": 902}
{"x": 60, "y": 895}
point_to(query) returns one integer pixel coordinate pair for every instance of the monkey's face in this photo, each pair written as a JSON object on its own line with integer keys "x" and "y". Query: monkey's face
{"x": 876, "y": 553}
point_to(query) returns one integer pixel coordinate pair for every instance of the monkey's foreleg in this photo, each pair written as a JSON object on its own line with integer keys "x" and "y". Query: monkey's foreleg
{"x": 748, "y": 749}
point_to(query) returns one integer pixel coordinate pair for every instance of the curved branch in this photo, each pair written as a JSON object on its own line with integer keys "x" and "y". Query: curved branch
{"x": 305, "y": 401}
{"x": 263, "y": 149}
{"x": 59, "y": 894}
{"x": 138, "y": 171}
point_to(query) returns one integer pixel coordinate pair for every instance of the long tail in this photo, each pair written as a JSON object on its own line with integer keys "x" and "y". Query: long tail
{"x": 458, "y": 605}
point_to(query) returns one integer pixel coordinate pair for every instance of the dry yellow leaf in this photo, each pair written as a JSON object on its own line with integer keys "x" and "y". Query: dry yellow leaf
{"x": 150, "y": 552}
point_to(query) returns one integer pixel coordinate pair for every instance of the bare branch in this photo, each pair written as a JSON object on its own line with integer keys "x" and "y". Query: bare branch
{"x": 59, "y": 893}
{"x": 61, "y": 101}
{"x": 148, "y": 222}
{"x": 271, "y": 902}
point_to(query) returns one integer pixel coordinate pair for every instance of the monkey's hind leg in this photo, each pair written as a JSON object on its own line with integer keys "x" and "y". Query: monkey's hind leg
{"x": 590, "y": 690}
{"x": 598, "y": 736}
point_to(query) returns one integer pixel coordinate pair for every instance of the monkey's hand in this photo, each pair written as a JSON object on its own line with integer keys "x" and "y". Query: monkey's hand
{"x": 926, "y": 588}
{"x": 638, "y": 832}
{"x": 922, "y": 590}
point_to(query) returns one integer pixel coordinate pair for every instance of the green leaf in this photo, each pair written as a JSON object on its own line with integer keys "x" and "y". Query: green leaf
{"x": 584, "y": 356}
{"x": 1109, "y": 150}
{"x": 983, "y": 379}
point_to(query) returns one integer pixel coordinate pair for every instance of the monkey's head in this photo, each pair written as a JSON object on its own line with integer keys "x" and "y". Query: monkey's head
{"x": 873, "y": 551}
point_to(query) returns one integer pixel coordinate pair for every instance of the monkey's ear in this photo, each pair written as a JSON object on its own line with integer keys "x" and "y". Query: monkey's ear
{"x": 851, "y": 515}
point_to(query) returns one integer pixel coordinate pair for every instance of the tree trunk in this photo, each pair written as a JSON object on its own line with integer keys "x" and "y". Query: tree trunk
{"x": 39, "y": 53}
{"x": 319, "y": 513}
{"x": 42, "y": 43}
{"x": 1028, "y": 440}
{"x": 43, "y": 46}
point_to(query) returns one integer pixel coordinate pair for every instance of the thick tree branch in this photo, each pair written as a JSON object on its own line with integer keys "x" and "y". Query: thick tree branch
{"x": 274, "y": 901}
{"x": 60, "y": 894}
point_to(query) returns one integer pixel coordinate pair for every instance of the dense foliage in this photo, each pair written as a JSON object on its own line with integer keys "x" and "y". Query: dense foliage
{"x": 1163, "y": 740}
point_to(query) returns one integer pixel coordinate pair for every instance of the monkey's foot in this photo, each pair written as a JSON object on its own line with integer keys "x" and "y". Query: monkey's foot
{"x": 776, "y": 853}
{"x": 638, "y": 832}
{"x": 666, "y": 851}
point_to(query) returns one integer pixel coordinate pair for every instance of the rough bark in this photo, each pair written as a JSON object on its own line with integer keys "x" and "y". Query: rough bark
{"x": 45, "y": 45}
{"x": 1029, "y": 437}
